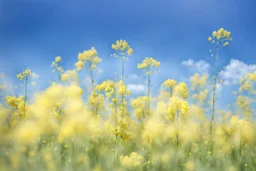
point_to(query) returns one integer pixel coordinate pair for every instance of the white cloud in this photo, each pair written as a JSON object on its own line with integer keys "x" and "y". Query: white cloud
{"x": 200, "y": 65}
{"x": 133, "y": 76}
{"x": 136, "y": 88}
{"x": 235, "y": 70}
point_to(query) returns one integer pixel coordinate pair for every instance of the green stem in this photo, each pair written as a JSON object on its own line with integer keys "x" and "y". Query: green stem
{"x": 25, "y": 95}
{"x": 122, "y": 83}
{"x": 149, "y": 82}
{"x": 177, "y": 138}
{"x": 240, "y": 143}
{"x": 214, "y": 97}
{"x": 92, "y": 79}
{"x": 115, "y": 135}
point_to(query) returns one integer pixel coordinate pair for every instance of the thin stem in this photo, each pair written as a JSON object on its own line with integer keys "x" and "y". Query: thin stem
{"x": 177, "y": 138}
{"x": 240, "y": 143}
{"x": 149, "y": 82}
{"x": 25, "y": 95}
{"x": 177, "y": 134}
{"x": 214, "y": 93}
{"x": 91, "y": 73}
{"x": 115, "y": 134}
{"x": 122, "y": 83}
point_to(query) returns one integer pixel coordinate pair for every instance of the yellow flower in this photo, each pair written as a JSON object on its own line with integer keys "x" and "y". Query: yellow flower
{"x": 214, "y": 34}
{"x": 153, "y": 130}
{"x": 234, "y": 120}
{"x": 13, "y": 101}
{"x": 64, "y": 77}
{"x": 140, "y": 107}
{"x": 60, "y": 69}
{"x": 130, "y": 51}
{"x": 198, "y": 81}
{"x": 79, "y": 65}
{"x": 246, "y": 130}
{"x": 181, "y": 90}
{"x": 225, "y": 44}
{"x": 81, "y": 57}
{"x": 178, "y": 105}
{"x": 221, "y": 36}
{"x": 89, "y": 56}
{"x": 20, "y": 76}
{"x": 28, "y": 133}
{"x": 132, "y": 161}
{"x": 69, "y": 75}
{"x": 58, "y": 59}
{"x": 244, "y": 103}
{"x": 26, "y": 73}
{"x": 123, "y": 46}
{"x": 148, "y": 62}
{"x": 169, "y": 83}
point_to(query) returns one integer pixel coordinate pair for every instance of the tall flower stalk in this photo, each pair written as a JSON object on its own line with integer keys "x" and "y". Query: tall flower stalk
{"x": 91, "y": 57}
{"x": 220, "y": 39}
{"x": 122, "y": 47}
{"x": 24, "y": 76}
{"x": 177, "y": 107}
{"x": 148, "y": 65}
{"x": 169, "y": 84}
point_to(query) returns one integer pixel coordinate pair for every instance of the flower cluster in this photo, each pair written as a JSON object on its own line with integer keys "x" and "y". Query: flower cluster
{"x": 69, "y": 75}
{"x": 56, "y": 65}
{"x": 220, "y": 37}
{"x": 169, "y": 84}
{"x": 13, "y": 101}
{"x": 139, "y": 106}
{"x": 197, "y": 81}
{"x": 148, "y": 64}
{"x": 132, "y": 161}
{"x": 178, "y": 105}
{"x": 108, "y": 87}
{"x": 247, "y": 83}
{"x": 181, "y": 90}
{"x": 24, "y": 74}
{"x": 90, "y": 56}
{"x": 123, "y": 46}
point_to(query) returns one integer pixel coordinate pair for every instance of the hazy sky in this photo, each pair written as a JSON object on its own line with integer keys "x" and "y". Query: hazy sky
{"x": 34, "y": 32}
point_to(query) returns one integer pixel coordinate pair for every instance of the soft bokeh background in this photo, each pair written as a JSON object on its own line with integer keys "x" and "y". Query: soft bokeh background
{"x": 34, "y": 32}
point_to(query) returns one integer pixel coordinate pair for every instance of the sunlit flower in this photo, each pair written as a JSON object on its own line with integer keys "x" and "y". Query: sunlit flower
{"x": 123, "y": 46}
{"x": 181, "y": 90}
{"x": 58, "y": 59}
{"x": 132, "y": 161}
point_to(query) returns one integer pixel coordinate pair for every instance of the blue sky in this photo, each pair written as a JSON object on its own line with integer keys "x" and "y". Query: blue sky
{"x": 34, "y": 32}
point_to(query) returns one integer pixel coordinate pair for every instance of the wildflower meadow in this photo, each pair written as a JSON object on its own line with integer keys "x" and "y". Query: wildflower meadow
{"x": 72, "y": 125}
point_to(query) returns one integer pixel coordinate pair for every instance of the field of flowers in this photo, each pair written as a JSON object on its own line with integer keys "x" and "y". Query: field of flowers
{"x": 67, "y": 127}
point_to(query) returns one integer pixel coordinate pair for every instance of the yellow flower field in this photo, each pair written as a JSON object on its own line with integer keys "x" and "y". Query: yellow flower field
{"x": 103, "y": 128}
